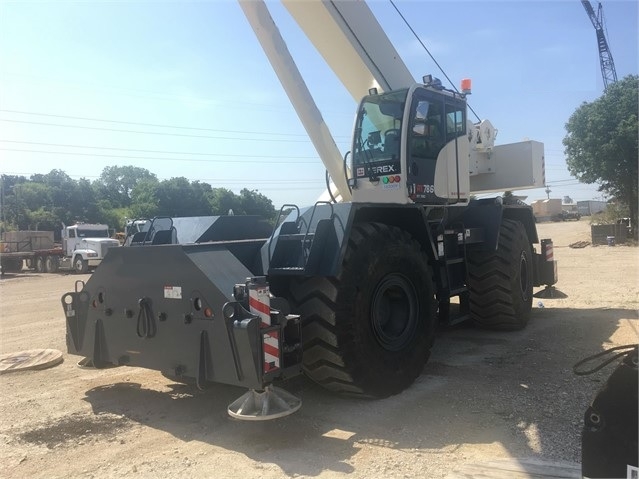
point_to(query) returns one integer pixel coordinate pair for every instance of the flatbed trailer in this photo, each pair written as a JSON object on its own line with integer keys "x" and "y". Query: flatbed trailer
{"x": 83, "y": 247}
{"x": 15, "y": 255}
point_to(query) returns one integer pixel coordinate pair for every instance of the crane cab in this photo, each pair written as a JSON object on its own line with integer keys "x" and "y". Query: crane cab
{"x": 411, "y": 146}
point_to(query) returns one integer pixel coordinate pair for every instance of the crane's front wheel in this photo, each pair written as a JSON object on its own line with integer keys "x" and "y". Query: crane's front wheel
{"x": 368, "y": 331}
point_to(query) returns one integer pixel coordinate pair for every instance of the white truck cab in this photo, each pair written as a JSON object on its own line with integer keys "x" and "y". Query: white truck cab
{"x": 85, "y": 245}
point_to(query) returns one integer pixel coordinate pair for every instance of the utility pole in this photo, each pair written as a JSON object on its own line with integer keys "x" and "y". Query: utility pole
{"x": 548, "y": 191}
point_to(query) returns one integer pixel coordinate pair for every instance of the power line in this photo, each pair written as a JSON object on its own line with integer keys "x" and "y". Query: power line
{"x": 562, "y": 180}
{"x": 156, "y": 125}
{"x": 153, "y": 132}
{"x": 430, "y": 55}
{"x": 145, "y": 93}
{"x": 132, "y": 157}
{"x": 157, "y": 151}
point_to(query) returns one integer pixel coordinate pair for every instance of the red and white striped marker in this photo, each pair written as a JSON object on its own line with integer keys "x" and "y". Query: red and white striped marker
{"x": 260, "y": 306}
{"x": 549, "y": 253}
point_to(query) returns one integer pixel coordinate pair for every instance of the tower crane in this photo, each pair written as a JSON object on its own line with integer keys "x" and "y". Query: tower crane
{"x": 608, "y": 71}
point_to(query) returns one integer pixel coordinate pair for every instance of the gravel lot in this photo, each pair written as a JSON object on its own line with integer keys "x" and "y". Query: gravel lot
{"x": 482, "y": 396}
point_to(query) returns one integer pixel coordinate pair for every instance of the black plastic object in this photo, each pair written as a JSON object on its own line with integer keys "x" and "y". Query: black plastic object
{"x": 609, "y": 438}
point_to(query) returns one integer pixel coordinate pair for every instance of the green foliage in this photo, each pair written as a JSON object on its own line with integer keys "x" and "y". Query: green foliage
{"x": 179, "y": 197}
{"x": 116, "y": 183}
{"x": 45, "y": 201}
{"x": 601, "y": 144}
{"x": 255, "y": 203}
{"x": 610, "y": 216}
{"x": 222, "y": 201}
{"x": 144, "y": 199}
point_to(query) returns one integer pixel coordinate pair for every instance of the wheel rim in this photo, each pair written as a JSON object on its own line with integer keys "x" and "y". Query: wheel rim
{"x": 523, "y": 275}
{"x": 78, "y": 264}
{"x": 394, "y": 312}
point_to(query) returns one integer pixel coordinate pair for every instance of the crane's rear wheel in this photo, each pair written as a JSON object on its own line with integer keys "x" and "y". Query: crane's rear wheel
{"x": 368, "y": 332}
{"x": 500, "y": 283}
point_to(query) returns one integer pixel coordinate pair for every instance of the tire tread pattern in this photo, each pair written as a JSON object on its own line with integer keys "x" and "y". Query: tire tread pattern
{"x": 330, "y": 344}
{"x": 493, "y": 279}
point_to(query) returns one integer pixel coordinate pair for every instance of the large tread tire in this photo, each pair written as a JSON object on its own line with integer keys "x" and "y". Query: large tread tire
{"x": 500, "y": 283}
{"x": 368, "y": 332}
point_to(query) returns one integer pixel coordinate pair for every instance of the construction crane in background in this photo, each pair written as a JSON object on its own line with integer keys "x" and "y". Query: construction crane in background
{"x": 608, "y": 71}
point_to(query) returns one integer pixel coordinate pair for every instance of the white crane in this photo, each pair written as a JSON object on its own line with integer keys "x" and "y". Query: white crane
{"x": 354, "y": 45}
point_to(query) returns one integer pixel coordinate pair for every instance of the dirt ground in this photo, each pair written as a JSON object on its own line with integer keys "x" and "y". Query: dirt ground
{"x": 482, "y": 396}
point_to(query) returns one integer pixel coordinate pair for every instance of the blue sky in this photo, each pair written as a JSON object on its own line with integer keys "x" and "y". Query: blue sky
{"x": 184, "y": 89}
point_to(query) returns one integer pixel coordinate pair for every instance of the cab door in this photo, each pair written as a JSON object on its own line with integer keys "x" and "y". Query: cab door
{"x": 426, "y": 138}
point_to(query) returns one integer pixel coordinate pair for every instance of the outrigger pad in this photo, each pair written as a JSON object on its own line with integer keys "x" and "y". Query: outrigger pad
{"x": 550, "y": 292}
{"x": 271, "y": 403}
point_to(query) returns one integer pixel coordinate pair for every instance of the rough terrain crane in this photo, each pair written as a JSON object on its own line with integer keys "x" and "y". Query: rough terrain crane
{"x": 350, "y": 292}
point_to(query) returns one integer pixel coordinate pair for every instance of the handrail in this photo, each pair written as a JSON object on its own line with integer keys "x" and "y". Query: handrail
{"x": 277, "y": 224}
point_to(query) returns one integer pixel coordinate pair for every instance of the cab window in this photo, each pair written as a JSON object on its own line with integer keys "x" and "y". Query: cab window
{"x": 455, "y": 122}
{"x": 427, "y": 138}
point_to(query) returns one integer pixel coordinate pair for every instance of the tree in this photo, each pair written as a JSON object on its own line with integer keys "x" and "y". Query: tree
{"x": 180, "y": 197}
{"x": 223, "y": 200}
{"x": 255, "y": 203}
{"x": 601, "y": 144}
{"x": 116, "y": 183}
{"x": 144, "y": 199}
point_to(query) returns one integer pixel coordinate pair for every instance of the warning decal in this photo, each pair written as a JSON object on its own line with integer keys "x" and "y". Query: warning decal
{"x": 173, "y": 292}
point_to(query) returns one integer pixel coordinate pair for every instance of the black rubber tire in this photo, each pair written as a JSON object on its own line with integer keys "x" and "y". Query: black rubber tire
{"x": 500, "y": 283}
{"x": 368, "y": 332}
{"x": 80, "y": 265}
{"x": 40, "y": 265}
{"x": 11, "y": 265}
{"x": 52, "y": 264}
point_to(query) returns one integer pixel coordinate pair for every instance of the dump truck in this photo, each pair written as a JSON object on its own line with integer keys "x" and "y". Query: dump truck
{"x": 348, "y": 291}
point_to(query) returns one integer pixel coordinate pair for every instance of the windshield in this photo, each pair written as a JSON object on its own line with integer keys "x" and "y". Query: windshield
{"x": 378, "y": 133}
{"x": 90, "y": 233}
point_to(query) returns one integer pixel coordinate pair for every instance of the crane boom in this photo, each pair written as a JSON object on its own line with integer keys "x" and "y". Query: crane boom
{"x": 289, "y": 75}
{"x": 608, "y": 71}
{"x": 353, "y": 44}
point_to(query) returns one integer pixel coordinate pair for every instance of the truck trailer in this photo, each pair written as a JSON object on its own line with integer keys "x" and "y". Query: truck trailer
{"x": 82, "y": 249}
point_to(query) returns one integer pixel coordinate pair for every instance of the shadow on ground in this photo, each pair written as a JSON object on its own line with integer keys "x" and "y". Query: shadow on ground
{"x": 515, "y": 389}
